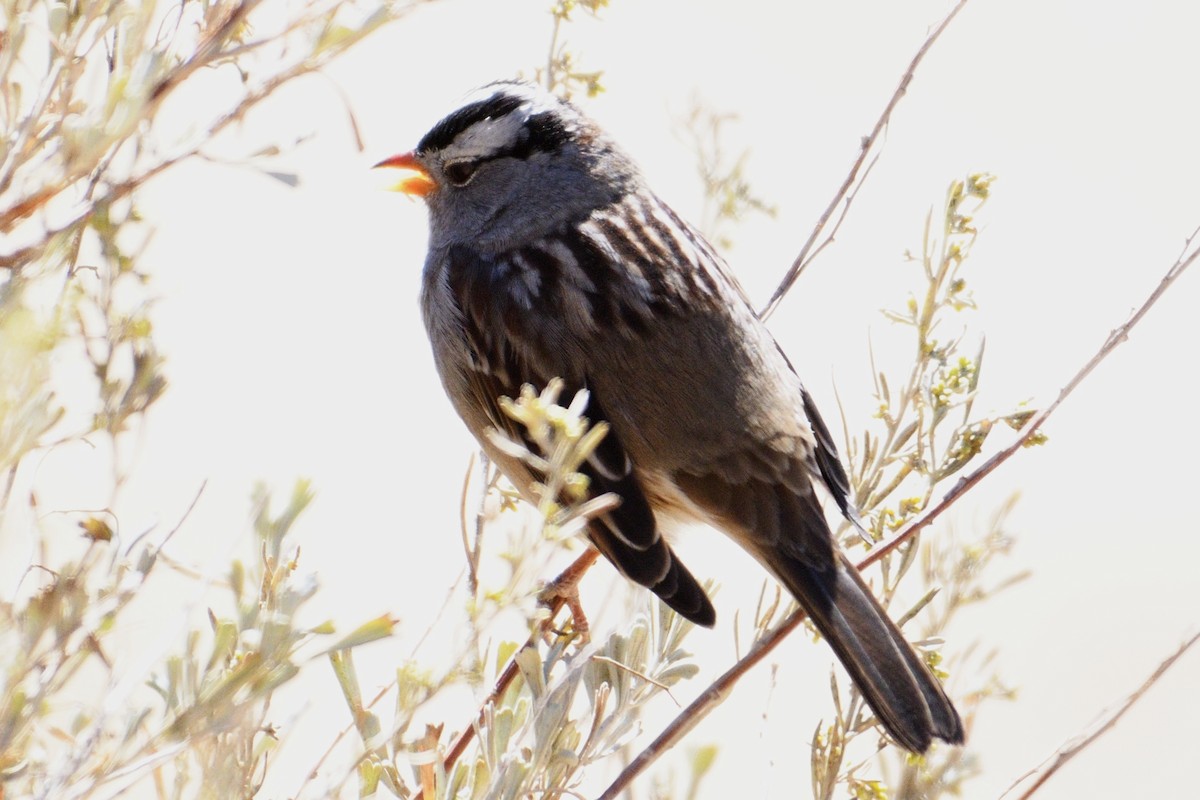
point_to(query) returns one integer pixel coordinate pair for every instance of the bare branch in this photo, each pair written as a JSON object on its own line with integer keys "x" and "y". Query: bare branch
{"x": 1081, "y": 742}
{"x": 844, "y": 193}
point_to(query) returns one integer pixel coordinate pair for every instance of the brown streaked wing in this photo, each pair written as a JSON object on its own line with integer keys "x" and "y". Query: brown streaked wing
{"x": 496, "y": 295}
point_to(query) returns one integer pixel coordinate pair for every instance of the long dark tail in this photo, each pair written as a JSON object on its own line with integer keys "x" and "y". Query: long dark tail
{"x": 896, "y": 683}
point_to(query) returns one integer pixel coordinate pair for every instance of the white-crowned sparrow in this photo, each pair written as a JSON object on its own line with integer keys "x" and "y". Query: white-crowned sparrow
{"x": 550, "y": 257}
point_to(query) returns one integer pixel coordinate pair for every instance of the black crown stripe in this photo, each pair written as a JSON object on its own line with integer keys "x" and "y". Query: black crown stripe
{"x": 544, "y": 132}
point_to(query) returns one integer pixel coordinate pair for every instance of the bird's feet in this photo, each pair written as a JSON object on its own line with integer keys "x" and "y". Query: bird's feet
{"x": 564, "y": 591}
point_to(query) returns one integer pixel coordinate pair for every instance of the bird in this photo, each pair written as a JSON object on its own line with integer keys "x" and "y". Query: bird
{"x": 549, "y": 258}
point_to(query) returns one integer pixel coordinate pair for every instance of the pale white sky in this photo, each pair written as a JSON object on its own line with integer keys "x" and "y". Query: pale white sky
{"x": 290, "y": 320}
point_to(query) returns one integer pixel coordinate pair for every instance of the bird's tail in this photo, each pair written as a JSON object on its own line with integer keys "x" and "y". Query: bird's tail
{"x": 896, "y": 683}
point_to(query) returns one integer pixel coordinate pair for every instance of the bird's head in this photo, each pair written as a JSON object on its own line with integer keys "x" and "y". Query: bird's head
{"x": 511, "y": 164}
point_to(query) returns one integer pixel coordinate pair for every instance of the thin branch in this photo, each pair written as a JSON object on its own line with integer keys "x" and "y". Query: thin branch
{"x": 315, "y": 771}
{"x": 699, "y": 708}
{"x": 120, "y": 190}
{"x": 1081, "y": 742}
{"x": 209, "y": 49}
{"x": 807, "y": 253}
{"x": 1117, "y": 337}
{"x": 552, "y": 55}
{"x": 571, "y": 574}
{"x": 12, "y": 157}
{"x": 205, "y": 55}
{"x": 721, "y": 687}
{"x": 469, "y": 550}
{"x": 171, "y": 533}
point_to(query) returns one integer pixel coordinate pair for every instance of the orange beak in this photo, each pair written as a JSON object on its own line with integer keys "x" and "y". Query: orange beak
{"x": 418, "y": 183}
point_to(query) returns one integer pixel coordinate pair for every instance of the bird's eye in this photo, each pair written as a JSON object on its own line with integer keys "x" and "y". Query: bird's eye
{"x": 460, "y": 173}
